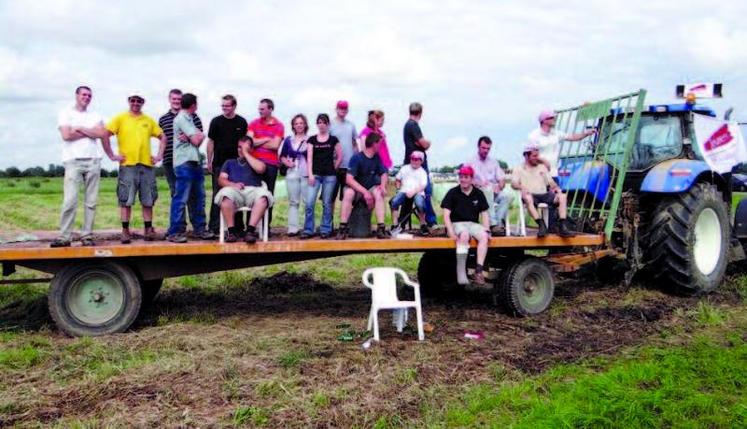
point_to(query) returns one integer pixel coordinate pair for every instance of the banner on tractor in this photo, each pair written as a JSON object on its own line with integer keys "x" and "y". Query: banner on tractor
{"x": 720, "y": 142}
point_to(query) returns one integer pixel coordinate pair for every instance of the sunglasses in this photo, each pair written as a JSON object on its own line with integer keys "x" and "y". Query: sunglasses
{"x": 464, "y": 176}
{"x": 137, "y": 100}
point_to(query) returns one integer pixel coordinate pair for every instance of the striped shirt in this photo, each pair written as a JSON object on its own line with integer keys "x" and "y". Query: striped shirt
{"x": 166, "y": 122}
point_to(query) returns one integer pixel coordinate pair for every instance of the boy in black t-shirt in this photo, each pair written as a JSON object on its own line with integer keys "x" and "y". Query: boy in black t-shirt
{"x": 466, "y": 215}
{"x": 366, "y": 179}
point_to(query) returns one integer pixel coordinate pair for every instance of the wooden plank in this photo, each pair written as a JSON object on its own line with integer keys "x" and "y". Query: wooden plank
{"x": 162, "y": 248}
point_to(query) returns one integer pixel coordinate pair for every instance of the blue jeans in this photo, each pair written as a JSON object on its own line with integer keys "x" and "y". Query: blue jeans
{"x": 430, "y": 214}
{"x": 327, "y": 184}
{"x": 400, "y": 198}
{"x": 190, "y": 186}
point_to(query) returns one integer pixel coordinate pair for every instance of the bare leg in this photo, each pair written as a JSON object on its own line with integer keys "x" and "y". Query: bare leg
{"x": 529, "y": 202}
{"x": 482, "y": 247}
{"x": 347, "y": 205}
{"x": 147, "y": 214}
{"x": 379, "y": 206}
{"x": 258, "y": 210}
{"x": 228, "y": 209}
{"x": 124, "y": 213}
{"x": 562, "y": 201}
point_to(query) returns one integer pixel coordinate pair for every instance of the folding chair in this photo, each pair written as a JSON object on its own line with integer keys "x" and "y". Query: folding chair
{"x": 383, "y": 284}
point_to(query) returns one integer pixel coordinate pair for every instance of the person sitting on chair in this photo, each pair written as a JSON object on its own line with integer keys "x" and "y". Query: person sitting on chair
{"x": 241, "y": 186}
{"x": 532, "y": 178}
{"x": 411, "y": 182}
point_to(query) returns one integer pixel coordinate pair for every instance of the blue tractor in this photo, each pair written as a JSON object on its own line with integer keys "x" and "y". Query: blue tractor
{"x": 671, "y": 214}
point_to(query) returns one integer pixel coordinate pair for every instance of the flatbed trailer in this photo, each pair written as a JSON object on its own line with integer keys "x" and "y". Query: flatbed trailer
{"x": 99, "y": 289}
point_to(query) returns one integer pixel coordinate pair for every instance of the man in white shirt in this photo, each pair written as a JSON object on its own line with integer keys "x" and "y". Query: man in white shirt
{"x": 490, "y": 179}
{"x": 81, "y": 155}
{"x": 547, "y": 139}
{"x": 411, "y": 181}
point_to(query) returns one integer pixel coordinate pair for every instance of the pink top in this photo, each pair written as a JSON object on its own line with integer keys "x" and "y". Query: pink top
{"x": 386, "y": 159}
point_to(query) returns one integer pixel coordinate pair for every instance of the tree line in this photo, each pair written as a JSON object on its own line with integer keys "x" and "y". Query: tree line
{"x": 54, "y": 170}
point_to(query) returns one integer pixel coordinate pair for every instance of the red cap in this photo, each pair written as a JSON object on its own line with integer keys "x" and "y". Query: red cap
{"x": 466, "y": 170}
{"x": 342, "y": 104}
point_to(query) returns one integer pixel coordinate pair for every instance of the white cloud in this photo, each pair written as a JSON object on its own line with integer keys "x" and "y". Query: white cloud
{"x": 482, "y": 68}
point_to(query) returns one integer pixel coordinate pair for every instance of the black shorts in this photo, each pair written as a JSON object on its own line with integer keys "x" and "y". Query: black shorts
{"x": 547, "y": 198}
{"x": 342, "y": 174}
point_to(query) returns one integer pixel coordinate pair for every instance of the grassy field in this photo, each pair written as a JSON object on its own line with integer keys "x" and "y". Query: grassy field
{"x": 262, "y": 347}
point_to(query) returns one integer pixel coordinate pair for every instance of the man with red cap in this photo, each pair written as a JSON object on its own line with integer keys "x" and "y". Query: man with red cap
{"x": 533, "y": 180}
{"x": 345, "y": 132}
{"x": 466, "y": 215}
{"x": 547, "y": 139}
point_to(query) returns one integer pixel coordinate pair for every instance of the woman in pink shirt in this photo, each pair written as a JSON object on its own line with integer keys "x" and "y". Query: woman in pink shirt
{"x": 374, "y": 124}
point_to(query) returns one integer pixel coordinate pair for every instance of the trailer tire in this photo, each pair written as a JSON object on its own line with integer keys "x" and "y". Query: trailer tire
{"x": 437, "y": 275}
{"x": 91, "y": 299}
{"x": 525, "y": 287}
{"x": 688, "y": 240}
{"x": 150, "y": 289}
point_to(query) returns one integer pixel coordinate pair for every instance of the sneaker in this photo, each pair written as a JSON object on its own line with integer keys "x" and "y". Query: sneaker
{"x": 478, "y": 278}
{"x": 424, "y": 230}
{"x": 564, "y": 230}
{"x": 541, "y": 228}
{"x": 87, "y": 241}
{"x": 324, "y": 235}
{"x": 177, "y": 238}
{"x": 251, "y": 237}
{"x": 497, "y": 230}
{"x": 150, "y": 234}
{"x": 382, "y": 233}
{"x": 60, "y": 242}
{"x": 206, "y": 235}
{"x": 292, "y": 234}
{"x": 230, "y": 237}
{"x": 342, "y": 233}
{"x": 125, "y": 237}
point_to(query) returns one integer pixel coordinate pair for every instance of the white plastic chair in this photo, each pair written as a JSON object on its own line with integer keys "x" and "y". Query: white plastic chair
{"x": 262, "y": 226}
{"x": 383, "y": 284}
{"x": 542, "y": 208}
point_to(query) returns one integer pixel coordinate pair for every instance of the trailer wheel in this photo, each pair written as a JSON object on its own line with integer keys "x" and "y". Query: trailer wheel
{"x": 526, "y": 287}
{"x": 150, "y": 289}
{"x": 437, "y": 275}
{"x": 94, "y": 298}
{"x": 688, "y": 241}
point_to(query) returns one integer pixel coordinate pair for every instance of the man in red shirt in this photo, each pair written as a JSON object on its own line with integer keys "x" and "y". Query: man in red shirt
{"x": 267, "y": 133}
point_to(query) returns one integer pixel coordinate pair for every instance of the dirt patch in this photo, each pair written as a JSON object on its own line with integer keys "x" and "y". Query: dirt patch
{"x": 285, "y": 282}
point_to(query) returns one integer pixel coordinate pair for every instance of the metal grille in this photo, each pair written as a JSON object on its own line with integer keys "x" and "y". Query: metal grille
{"x": 592, "y": 170}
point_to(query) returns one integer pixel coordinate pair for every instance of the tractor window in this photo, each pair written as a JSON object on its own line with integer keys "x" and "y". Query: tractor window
{"x": 658, "y": 138}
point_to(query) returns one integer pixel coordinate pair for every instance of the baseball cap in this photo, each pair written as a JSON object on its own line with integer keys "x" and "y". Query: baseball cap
{"x": 466, "y": 170}
{"x": 417, "y": 155}
{"x": 342, "y": 104}
{"x": 530, "y": 147}
{"x": 546, "y": 114}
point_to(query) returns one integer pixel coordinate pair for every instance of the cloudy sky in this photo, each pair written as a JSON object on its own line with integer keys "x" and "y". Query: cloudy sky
{"x": 478, "y": 67}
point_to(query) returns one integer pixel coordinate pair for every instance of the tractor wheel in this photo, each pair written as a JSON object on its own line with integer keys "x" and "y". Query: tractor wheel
{"x": 437, "y": 275}
{"x": 688, "y": 240}
{"x": 94, "y": 298}
{"x": 525, "y": 287}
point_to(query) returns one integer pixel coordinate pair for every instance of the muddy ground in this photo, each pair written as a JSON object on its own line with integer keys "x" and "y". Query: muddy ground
{"x": 271, "y": 346}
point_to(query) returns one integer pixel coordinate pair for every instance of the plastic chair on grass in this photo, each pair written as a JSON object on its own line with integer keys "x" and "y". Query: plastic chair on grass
{"x": 383, "y": 284}
{"x": 262, "y": 226}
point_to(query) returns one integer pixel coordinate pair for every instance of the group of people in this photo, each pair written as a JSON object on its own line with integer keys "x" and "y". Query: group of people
{"x": 246, "y": 158}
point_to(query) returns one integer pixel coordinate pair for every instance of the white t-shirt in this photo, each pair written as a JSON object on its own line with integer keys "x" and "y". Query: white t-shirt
{"x": 549, "y": 146}
{"x": 85, "y": 147}
{"x": 412, "y": 178}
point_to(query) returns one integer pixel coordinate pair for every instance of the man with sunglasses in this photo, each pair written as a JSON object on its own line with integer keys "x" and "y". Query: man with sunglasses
{"x": 137, "y": 176}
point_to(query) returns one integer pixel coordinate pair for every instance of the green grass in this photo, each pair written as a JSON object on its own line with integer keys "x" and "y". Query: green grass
{"x": 250, "y": 416}
{"x": 701, "y": 384}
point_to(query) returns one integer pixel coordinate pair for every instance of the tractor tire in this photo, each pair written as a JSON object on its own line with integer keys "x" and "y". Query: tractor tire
{"x": 525, "y": 287}
{"x": 437, "y": 275}
{"x": 150, "y": 289}
{"x": 91, "y": 299}
{"x": 688, "y": 240}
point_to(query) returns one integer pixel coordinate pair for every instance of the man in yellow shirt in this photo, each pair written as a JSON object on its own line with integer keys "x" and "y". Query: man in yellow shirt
{"x": 134, "y": 129}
